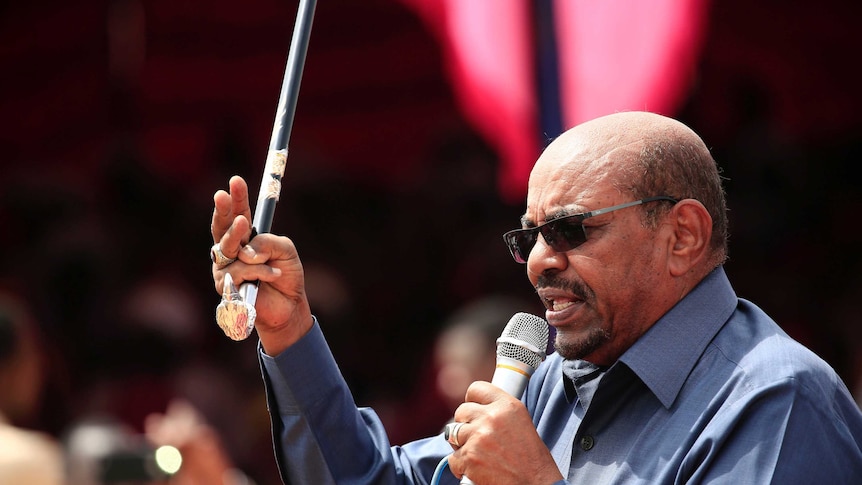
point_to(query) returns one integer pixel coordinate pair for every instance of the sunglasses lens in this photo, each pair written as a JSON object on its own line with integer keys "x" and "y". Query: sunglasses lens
{"x": 520, "y": 243}
{"x": 561, "y": 235}
{"x": 564, "y": 234}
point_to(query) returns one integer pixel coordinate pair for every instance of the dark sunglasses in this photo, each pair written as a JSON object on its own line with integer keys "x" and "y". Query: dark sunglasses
{"x": 565, "y": 233}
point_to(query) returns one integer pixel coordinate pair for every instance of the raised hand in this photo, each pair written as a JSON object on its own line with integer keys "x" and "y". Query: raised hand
{"x": 283, "y": 313}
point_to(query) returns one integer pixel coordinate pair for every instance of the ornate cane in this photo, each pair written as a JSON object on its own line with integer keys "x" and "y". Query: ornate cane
{"x": 236, "y": 314}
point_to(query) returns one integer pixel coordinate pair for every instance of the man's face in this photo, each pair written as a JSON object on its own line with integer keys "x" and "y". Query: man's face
{"x": 604, "y": 294}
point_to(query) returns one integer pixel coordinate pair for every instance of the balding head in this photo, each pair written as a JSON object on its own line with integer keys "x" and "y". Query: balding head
{"x": 641, "y": 153}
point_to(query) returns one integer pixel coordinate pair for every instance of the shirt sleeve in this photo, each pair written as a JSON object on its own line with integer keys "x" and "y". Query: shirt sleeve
{"x": 319, "y": 434}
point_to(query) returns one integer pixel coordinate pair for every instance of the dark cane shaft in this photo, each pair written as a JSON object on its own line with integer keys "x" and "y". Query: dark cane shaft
{"x": 276, "y": 158}
{"x": 270, "y": 186}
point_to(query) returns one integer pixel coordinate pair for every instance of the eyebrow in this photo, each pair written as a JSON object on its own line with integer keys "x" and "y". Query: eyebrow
{"x": 558, "y": 214}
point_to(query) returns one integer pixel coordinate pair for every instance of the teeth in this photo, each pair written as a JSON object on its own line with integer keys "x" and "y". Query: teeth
{"x": 562, "y": 305}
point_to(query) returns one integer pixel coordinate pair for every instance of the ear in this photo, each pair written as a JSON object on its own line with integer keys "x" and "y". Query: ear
{"x": 692, "y": 227}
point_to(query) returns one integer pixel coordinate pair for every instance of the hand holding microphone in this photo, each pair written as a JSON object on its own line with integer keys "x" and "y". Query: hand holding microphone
{"x": 504, "y": 440}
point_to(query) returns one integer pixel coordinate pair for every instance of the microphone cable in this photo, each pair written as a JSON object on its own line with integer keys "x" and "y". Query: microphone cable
{"x": 438, "y": 472}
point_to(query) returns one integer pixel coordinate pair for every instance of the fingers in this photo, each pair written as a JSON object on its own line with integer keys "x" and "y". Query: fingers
{"x": 242, "y": 272}
{"x": 484, "y": 404}
{"x": 239, "y": 197}
{"x": 483, "y": 392}
{"x": 268, "y": 247}
{"x": 456, "y": 434}
{"x": 262, "y": 259}
{"x": 452, "y": 433}
{"x": 228, "y": 206}
{"x": 479, "y": 394}
{"x": 234, "y": 236}
{"x": 475, "y": 407}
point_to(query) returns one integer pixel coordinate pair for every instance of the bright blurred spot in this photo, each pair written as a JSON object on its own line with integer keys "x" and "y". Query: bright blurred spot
{"x": 168, "y": 459}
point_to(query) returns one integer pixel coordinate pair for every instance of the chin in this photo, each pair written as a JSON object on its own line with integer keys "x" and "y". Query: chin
{"x": 585, "y": 347}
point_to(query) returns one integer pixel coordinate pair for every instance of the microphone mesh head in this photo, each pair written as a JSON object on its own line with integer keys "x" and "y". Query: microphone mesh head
{"x": 524, "y": 339}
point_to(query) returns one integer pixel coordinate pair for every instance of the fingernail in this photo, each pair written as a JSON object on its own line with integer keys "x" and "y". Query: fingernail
{"x": 248, "y": 251}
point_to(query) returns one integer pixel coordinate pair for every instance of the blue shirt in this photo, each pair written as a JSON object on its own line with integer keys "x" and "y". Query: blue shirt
{"x": 714, "y": 392}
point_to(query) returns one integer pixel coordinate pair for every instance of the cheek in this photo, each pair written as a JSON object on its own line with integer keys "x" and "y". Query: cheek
{"x": 618, "y": 277}
{"x": 634, "y": 253}
{"x": 626, "y": 295}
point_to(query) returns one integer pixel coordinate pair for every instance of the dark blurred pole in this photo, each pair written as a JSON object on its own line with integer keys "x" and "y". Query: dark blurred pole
{"x": 547, "y": 71}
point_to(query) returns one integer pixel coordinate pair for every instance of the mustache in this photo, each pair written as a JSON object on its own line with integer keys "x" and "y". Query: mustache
{"x": 577, "y": 288}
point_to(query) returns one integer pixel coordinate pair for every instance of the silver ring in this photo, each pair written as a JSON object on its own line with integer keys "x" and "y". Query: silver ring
{"x": 218, "y": 257}
{"x": 450, "y": 433}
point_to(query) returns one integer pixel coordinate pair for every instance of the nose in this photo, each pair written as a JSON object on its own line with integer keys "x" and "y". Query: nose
{"x": 543, "y": 258}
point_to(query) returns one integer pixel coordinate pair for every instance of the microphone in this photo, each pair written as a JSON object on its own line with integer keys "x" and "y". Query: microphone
{"x": 520, "y": 350}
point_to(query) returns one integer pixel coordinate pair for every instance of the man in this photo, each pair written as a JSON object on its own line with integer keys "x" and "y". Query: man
{"x": 661, "y": 375}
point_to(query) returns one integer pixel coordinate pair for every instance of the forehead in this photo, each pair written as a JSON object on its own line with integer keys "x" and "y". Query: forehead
{"x": 575, "y": 176}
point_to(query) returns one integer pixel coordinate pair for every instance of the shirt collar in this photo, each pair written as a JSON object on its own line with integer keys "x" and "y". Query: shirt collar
{"x": 665, "y": 355}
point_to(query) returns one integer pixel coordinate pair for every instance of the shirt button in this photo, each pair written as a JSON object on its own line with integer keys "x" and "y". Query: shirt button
{"x": 587, "y": 442}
